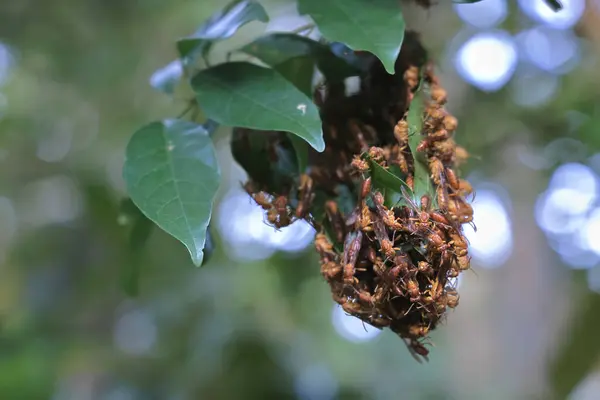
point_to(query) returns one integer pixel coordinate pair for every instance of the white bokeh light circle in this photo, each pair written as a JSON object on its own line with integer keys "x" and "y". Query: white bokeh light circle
{"x": 566, "y": 18}
{"x": 487, "y": 60}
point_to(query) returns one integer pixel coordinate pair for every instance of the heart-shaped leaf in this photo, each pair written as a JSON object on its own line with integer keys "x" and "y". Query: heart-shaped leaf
{"x": 276, "y": 48}
{"x": 299, "y": 71}
{"x": 375, "y": 26}
{"x": 246, "y": 95}
{"x": 219, "y": 26}
{"x": 172, "y": 175}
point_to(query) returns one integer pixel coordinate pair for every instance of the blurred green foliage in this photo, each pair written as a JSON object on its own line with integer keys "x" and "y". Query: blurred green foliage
{"x": 231, "y": 330}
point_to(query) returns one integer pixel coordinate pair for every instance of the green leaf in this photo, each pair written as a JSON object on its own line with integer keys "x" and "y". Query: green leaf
{"x": 359, "y": 63}
{"x": 269, "y": 158}
{"x": 140, "y": 229}
{"x": 246, "y": 95}
{"x": 422, "y": 181}
{"x": 250, "y": 151}
{"x": 139, "y": 233}
{"x": 415, "y": 123}
{"x": 221, "y": 25}
{"x": 276, "y": 48}
{"x": 165, "y": 79}
{"x": 375, "y": 26}
{"x": 301, "y": 149}
{"x": 130, "y": 273}
{"x": 172, "y": 175}
{"x": 385, "y": 178}
{"x": 128, "y": 213}
{"x": 388, "y": 182}
{"x": 345, "y": 199}
{"x": 299, "y": 71}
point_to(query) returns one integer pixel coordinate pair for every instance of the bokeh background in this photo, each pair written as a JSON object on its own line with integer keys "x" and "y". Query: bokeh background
{"x": 257, "y": 321}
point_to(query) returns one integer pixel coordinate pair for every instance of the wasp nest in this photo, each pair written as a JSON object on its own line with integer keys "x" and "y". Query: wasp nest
{"x": 384, "y": 196}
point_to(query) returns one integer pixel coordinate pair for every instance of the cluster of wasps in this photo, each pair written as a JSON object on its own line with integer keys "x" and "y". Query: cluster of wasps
{"x": 388, "y": 265}
{"x": 396, "y": 266}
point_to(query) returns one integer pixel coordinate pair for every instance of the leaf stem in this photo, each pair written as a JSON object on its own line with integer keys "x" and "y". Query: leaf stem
{"x": 190, "y": 106}
{"x": 308, "y": 27}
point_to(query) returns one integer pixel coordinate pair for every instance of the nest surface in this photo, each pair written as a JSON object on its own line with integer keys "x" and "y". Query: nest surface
{"x": 384, "y": 196}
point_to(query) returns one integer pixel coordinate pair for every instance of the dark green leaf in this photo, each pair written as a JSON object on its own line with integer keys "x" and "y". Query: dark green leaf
{"x": 390, "y": 184}
{"x": 140, "y": 233}
{"x": 250, "y": 151}
{"x": 299, "y": 71}
{"x": 350, "y": 57}
{"x": 166, "y": 78}
{"x": 329, "y": 232}
{"x": 318, "y": 208}
{"x": 415, "y": 125}
{"x": 345, "y": 199}
{"x": 128, "y": 213}
{"x": 140, "y": 229}
{"x": 580, "y": 353}
{"x": 221, "y": 25}
{"x": 422, "y": 183}
{"x": 276, "y": 48}
{"x": 385, "y": 178}
{"x": 375, "y": 26}
{"x": 172, "y": 175}
{"x": 130, "y": 273}
{"x": 301, "y": 149}
{"x": 246, "y": 95}
{"x": 130, "y": 277}
{"x": 269, "y": 158}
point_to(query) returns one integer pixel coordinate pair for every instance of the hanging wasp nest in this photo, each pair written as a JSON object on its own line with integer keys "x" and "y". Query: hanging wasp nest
{"x": 384, "y": 196}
